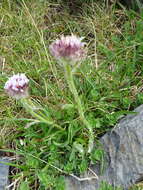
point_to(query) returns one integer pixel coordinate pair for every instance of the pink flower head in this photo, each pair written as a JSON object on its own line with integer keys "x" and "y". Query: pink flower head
{"x": 17, "y": 86}
{"x": 68, "y": 48}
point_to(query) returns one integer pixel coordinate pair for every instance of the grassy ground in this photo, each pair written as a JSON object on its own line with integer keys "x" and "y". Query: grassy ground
{"x": 109, "y": 83}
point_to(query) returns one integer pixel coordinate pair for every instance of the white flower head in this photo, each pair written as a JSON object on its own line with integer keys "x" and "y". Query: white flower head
{"x": 69, "y": 48}
{"x": 17, "y": 86}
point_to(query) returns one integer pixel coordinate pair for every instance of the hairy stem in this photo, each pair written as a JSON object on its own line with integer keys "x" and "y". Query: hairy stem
{"x": 36, "y": 112}
{"x": 70, "y": 81}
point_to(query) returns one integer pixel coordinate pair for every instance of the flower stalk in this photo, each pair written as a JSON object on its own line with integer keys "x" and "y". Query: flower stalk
{"x": 33, "y": 109}
{"x": 70, "y": 81}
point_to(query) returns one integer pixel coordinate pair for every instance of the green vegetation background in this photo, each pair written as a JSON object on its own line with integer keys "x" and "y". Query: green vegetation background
{"x": 109, "y": 83}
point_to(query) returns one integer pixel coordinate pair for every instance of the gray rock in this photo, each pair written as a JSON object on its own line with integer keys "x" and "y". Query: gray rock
{"x": 124, "y": 156}
{"x": 4, "y": 171}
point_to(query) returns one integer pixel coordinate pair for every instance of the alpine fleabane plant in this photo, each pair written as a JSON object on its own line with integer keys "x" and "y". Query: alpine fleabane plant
{"x": 70, "y": 51}
{"x": 17, "y": 86}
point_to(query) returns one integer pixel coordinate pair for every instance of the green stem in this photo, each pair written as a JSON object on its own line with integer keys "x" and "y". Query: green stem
{"x": 30, "y": 107}
{"x": 70, "y": 81}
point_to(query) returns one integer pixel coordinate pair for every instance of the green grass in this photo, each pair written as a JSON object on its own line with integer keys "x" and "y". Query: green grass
{"x": 109, "y": 83}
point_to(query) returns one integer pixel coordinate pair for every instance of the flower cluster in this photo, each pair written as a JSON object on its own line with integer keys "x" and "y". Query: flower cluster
{"x": 68, "y": 48}
{"x": 17, "y": 86}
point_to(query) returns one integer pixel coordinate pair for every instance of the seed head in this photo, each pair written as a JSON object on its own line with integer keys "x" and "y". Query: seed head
{"x": 68, "y": 48}
{"x": 17, "y": 86}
